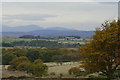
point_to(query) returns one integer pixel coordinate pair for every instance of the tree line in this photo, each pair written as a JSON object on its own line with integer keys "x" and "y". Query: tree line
{"x": 46, "y": 55}
{"x": 39, "y": 43}
{"x": 31, "y": 60}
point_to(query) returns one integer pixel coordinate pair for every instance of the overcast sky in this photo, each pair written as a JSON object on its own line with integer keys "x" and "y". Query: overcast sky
{"x": 74, "y": 15}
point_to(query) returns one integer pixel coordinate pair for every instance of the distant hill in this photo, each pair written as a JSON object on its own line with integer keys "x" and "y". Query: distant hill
{"x": 26, "y": 28}
{"x": 46, "y": 32}
{"x": 56, "y": 33}
{"x": 57, "y": 28}
{"x": 50, "y": 33}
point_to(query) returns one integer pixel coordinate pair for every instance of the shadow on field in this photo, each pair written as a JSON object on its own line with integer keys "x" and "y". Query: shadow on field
{"x": 23, "y": 78}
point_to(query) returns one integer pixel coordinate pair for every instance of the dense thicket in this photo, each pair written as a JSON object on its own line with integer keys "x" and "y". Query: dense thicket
{"x": 39, "y": 43}
{"x": 36, "y": 68}
{"x": 46, "y": 55}
{"x": 34, "y": 37}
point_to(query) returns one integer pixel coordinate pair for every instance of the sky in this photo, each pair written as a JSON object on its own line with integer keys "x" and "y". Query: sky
{"x": 73, "y": 15}
{"x": 60, "y": 0}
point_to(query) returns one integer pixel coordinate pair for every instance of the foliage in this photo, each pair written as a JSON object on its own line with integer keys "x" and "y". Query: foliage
{"x": 33, "y": 55}
{"x": 102, "y": 54}
{"x": 53, "y": 73}
{"x": 7, "y": 57}
{"x": 20, "y": 52}
{"x": 99, "y": 76}
{"x": 29, "y": 36}
{"x": 34, "y": 37}
{"x": 24, "y": 66}
{"x": 17, "y": 61}
{"x": 39, "y": 43}
{"x": 7, "y": 44}
{"x": 37, "y": 68}
{"x": 74, "y": 71}
{"x": 46, "y": 55}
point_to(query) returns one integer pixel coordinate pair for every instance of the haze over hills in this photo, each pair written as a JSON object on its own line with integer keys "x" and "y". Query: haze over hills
{"x": 25, "y": 28}
{"x": 28, "y": 28}
{"x": 56, "y": 33}
{"x": 57, "y": 28}
{"x": 47, "y": 32}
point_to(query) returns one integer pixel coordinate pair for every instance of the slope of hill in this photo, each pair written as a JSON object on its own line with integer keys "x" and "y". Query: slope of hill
{"x": 46, "y": 32}
{"x": 56, "y": 33}
{"x": 50, "y": 33}
{"x": 26, "y": 28}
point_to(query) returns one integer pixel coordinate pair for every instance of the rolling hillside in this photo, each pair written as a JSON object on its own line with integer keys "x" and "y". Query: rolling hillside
{"x": 47, "y": 32}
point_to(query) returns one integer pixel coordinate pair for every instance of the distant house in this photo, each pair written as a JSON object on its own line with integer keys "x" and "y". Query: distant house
{"x": 72, "y": 37}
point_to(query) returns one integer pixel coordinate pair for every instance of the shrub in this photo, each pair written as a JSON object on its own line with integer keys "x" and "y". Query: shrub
{"x": 24, "y": 66}
{"x": 74, "y": 71}
{"x": 38, "y": 69}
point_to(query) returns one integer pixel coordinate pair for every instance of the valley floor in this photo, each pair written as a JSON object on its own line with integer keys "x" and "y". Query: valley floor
{"x": 56, "y": 68}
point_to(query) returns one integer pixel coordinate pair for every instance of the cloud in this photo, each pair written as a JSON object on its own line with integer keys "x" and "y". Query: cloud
{"x": 76, "y": 15}
{"x": 60, "y": 0}
{"x": 29, "y": 17}
{"x": 104, "y": 0}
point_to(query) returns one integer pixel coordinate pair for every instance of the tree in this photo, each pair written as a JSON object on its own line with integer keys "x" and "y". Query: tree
{"x": 33, "y": 55}
{"x": 7, "y": 44}
{"x": 24, "y": 66}
{"x": 7, "y": 57}
{"x": 17, "y": 61}
{"x": 74, "y": 71}
{"x": 20, "y": 52}
{"x": 38, "y": 68}
{"x": 27, "y": 36}
{"x": 102, "y": 54}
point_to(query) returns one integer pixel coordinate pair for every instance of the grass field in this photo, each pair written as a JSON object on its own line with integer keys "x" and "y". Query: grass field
{"x": 9, "y": 40}
{"x": 61, "y": 69}
{"x": 52, "y": 68}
